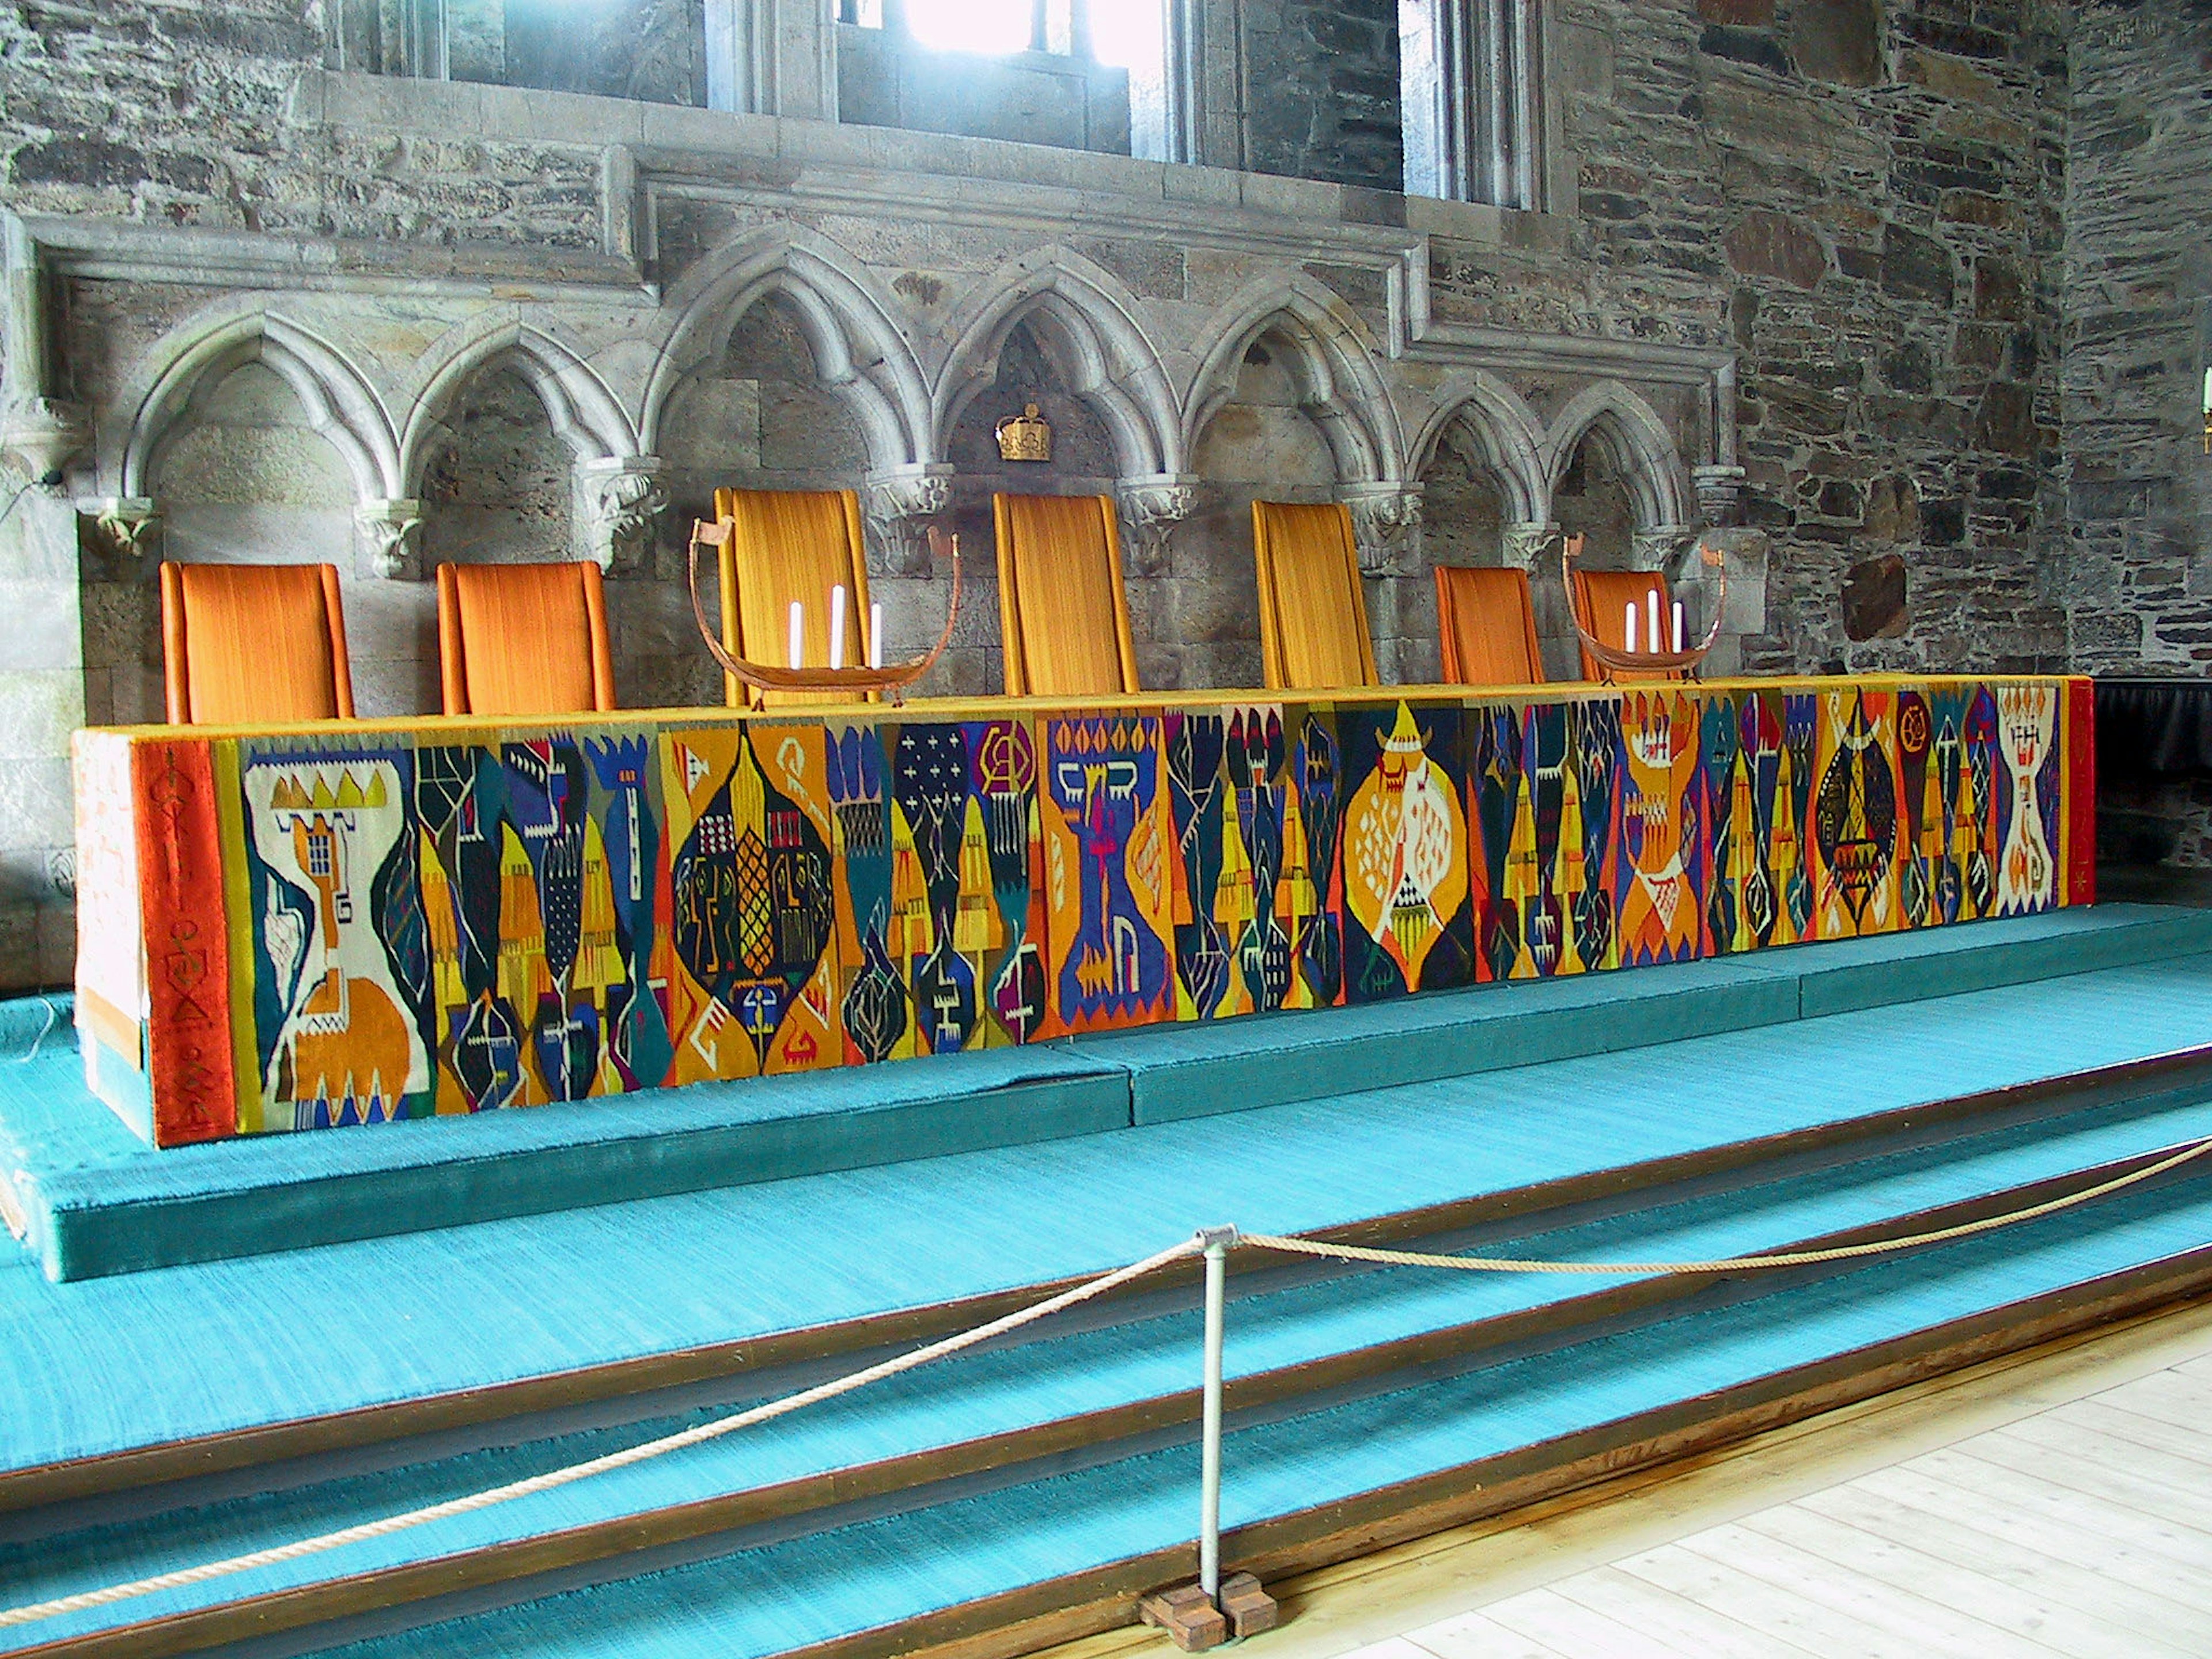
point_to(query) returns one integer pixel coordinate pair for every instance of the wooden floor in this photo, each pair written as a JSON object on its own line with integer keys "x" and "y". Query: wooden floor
{"x": 2059, "y": 1502}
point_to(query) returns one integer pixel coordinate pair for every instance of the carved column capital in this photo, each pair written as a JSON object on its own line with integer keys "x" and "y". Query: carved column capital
{"x": 1720, "y": 494}
{"x": 1658, "y": 547}
{"x": 129, "y": 526}
{"x": 1526, "y": 543}
{"x": 387, "y": 540}
{"x": 43, "y": 435}
{"x": 1150, "y": 508}
{"x": 899, "y": 505}
{"x": 620, "y": 496}
{"x": 1382, "y": 515}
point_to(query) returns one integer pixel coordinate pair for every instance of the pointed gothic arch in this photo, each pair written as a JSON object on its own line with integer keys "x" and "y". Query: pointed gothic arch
{"x": 340, "y": 404}
{"x": 1504, "y": 435}
{"x": 1332, "y": 362}
{"x": 1109, "y": 360}
{"x": 1642, "y": 449}
{"x": 860, "y": 352}
{"x": 583, "y": 413}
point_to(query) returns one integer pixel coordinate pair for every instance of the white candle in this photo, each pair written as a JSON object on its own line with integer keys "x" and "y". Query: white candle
{"x": 875, "y": 637}
{"x": 1628, "y": 630}
{"x": 1678, "y": 628}
{"x": 837, "y": 626}
{"x": 1652, "y": 599}
{"x": 797, "y": 635}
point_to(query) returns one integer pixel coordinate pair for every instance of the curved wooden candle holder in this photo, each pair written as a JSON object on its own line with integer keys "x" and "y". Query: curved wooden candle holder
{"x": 1615, "y": 661}
{"x": 857, "y": 683}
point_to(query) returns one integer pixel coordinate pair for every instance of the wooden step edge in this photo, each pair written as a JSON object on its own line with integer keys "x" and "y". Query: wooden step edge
{"x": 1462, "y": 1346}
{"x": 63, "y": 1482}
{"x": 1043, "y": 1615}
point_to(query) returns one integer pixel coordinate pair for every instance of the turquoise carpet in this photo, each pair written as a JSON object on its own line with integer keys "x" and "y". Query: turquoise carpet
{"x": 111, "y": 1365}
{"x": 95, "y": 1200}
{"x": 1042, "y": 1380}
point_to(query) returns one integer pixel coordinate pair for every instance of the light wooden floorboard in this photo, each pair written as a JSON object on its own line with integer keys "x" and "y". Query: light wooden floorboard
{"x": 2057, "y": 1503}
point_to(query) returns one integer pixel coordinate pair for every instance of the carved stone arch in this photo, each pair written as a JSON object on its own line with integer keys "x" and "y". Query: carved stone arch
{"x": 859, "y": 351}
{"x": 1642, "y": 449}
{"x": 1097, "y": 341}
{"x": 583, "y": 413}
{"x": 1503, "y": 435}
{"x": 1333, "y": 364}
{"x": 340, "y": 404}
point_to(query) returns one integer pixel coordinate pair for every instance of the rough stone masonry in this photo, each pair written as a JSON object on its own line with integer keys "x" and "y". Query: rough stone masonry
{"x": 1929, "y": 272}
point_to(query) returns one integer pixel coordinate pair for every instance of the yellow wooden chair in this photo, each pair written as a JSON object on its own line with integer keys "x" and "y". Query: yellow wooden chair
{"x": 1486, "y": 626}
{"x": 786, "y": 545}
{"x": 1313, "y": 610}
{"x": 524, "y": 639}
{"x": 248, "y": 643}
{"x": 1602, "y": 599}
{"x": 1061, "y": 606}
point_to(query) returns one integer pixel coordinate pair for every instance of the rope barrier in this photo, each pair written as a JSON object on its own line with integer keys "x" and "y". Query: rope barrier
{"x": 87, "y": 1601}
{"x": 2168, "y": 1158}
{"x": 2188, "y": 1150}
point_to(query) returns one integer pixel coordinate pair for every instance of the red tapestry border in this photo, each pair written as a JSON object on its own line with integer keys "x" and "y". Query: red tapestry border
{"x": 187, "y": 943}
{"x": 2081, "y": 791}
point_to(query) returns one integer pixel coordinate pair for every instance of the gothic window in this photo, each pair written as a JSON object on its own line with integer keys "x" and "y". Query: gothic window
{"x": 1064, "y": 74}
{"x": 654, "y": 51}
{"x": 1472, "y": 74}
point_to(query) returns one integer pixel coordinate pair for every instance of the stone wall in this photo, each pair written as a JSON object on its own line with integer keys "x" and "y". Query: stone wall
{"x": 2138, "y": 277}
{"x": 384, "y": 322}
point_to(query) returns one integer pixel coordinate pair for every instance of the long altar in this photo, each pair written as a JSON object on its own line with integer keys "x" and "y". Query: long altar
{"x": 363, "y": 923}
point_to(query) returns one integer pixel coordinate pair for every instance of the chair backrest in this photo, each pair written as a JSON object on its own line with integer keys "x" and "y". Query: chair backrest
{"x": 1061, "y": 608}
{"x": 790, "y": 545}
{"x": 1486, "y": 626}
{"x": 251, "y": 643}
{"x": 524, "y": 639}
{"x": 1313, "y": 611}
{"x": 1602, "y": 599}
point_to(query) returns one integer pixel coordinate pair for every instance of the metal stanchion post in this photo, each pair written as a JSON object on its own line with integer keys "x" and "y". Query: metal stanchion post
{"x": 1217, "y": 1240}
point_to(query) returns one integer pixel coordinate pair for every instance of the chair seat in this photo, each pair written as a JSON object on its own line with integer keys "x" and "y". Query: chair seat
{"x": 1313, "y": 607}
{"x": 1062, "y": 610}
{"x": 253, "y": 644}
{"x": 1602, "y": 599}
{"x": 524, "y": 639}
{"x": 1486, "y": 626}
{"x": 787, "y": 546}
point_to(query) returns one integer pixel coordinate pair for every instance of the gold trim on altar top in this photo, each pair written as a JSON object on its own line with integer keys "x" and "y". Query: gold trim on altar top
{"x": 1025, "y": 437}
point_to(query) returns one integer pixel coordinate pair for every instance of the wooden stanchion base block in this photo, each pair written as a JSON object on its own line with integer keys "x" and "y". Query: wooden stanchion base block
{"x": 1192, "y": 1622}
{"x": 1249, "y": 1608}
{"x": 1195, "y": 1624}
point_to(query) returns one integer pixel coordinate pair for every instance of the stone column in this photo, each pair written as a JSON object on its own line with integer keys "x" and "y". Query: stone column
{"x": 43, "y": 433}
{"x": 1382, "y": 515}
{"x": 1720, "y": 494}
{"x": 617, "y": 500}
{"x": 899, "y": 503}
{"x": 129, "y": 527}
{"x": 387, "y": 540}
{"x": 1150, "y": 508}
{"x": 42, "y": 701}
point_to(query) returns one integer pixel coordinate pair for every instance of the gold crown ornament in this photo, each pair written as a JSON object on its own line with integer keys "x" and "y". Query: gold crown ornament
{"x": 1025, "y": 437}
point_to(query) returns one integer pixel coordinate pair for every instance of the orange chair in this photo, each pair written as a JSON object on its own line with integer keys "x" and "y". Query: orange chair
{"x": 1062, "y": 611}
{"x": 1602, "y": 599}
{"x": 524, "y": 639}
{"x": 790, "y": 545}
{"x": 1313, "y": 610}
{"x": 244, "y": 644}
{"x": 1486, "y": 625}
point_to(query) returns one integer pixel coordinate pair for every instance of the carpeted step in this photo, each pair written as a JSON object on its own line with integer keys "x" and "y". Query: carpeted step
{"x": 152, "y": 1377}
{"x": 1073, "y": 1394}
{"x": 1302, "y": 1486}
{"x": 91, "y": 1199}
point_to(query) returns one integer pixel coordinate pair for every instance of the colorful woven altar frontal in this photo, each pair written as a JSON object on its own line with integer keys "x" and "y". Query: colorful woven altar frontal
{"x": 360, "y": 924}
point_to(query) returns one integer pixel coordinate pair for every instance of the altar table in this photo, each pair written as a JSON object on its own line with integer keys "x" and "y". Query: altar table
{"x": 377, "y": 920}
